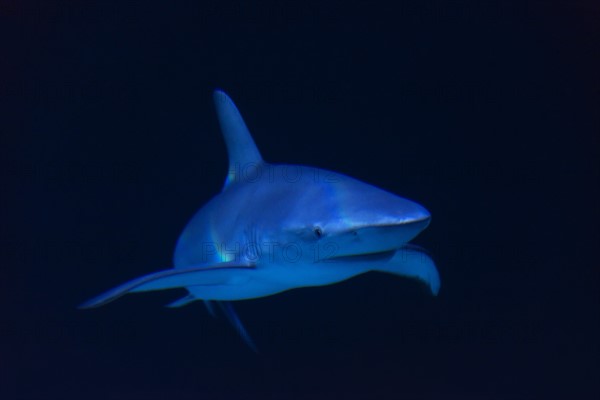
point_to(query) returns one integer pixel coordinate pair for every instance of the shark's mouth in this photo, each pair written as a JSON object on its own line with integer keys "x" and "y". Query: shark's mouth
{"x": 369, "y": 257}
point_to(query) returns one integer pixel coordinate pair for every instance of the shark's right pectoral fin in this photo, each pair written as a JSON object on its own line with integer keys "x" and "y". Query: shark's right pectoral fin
{"x": 216, "y": 274}
{"x": 413, "y": 262}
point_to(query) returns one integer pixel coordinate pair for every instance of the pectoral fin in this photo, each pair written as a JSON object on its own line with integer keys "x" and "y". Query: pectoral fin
{"x": 218, "y": 274}
{"x": 413, "y": 262}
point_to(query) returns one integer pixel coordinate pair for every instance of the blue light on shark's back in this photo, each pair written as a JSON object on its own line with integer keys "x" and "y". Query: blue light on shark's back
{"x": 270, "y": 231}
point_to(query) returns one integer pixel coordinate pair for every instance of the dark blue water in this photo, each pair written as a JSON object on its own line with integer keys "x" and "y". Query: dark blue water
{"x": 485, "y": 114}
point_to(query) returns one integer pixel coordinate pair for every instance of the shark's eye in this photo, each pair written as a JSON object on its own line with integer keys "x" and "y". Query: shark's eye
{"x": 318, "y": 232}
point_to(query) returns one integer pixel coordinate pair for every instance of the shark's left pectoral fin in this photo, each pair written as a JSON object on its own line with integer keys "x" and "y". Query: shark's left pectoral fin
{"x": 413, "y": 262}
{"x": 216, "y": 274}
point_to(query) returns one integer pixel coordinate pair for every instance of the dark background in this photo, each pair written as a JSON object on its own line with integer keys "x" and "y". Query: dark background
{"x": 487, "y": 114}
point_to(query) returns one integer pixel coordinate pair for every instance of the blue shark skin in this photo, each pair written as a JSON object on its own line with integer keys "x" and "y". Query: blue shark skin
{"x": 278, "y": 227}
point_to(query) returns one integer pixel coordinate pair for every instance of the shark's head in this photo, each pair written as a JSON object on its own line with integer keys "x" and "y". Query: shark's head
{"x": 341, "y": 216}
{"x": 326, "y": 213}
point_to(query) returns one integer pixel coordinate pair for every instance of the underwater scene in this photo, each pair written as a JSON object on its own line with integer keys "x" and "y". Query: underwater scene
{"x": 219, "y": 200}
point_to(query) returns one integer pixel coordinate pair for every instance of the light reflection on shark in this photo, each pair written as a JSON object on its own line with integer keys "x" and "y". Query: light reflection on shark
{"x": 280, "y": 227}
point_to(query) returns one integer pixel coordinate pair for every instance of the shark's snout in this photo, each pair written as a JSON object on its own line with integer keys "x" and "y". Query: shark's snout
{"x": 414, "y": 214}
{"x": 379, "y": 237}
{"x": 414, "y": 219}
{"x": 418, "y": 223}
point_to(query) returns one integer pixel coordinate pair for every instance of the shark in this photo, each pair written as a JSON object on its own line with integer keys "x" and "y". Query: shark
{"x": 276, "y": 227}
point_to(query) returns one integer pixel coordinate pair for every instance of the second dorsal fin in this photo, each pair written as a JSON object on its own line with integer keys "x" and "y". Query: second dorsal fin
{"x": 242, "y": 151}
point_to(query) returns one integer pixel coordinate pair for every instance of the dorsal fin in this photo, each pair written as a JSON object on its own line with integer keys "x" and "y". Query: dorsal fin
{"x": 242, "y": 151}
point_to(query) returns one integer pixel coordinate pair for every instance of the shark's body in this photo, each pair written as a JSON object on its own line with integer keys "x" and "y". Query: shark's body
{"x": 279, "y": 227}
